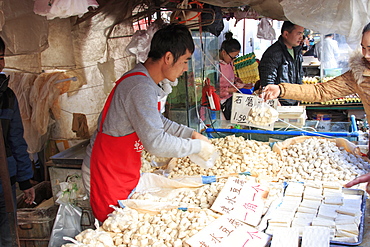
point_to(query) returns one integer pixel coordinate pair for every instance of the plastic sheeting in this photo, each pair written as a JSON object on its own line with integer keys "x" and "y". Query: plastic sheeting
{"x": 23, "y": 32}
{"x": 37, "y": 96}
{"x": 63, "y": 8}
{"x": 330, "y": 16}
{"x": 140, "y": 43}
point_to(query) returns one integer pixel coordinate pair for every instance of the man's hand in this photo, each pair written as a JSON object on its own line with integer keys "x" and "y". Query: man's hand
{"x": 361, "y": 179}
{"x": 271, "y": 91}
{"x": 199, "y": 136}
{"x": 29, "y": 195}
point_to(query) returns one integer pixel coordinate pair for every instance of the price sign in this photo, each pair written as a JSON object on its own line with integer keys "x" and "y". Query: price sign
{"x": 241, "y": 108}
{"x": 227, "y": 231}
{"x": 242, "y": 199}
{"x": 227, "y": 198}
{"x": 250, "y": 205}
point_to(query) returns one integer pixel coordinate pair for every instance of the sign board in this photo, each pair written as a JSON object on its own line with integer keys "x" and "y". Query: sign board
{"x": 227, "y": 231}
{"x": 241, "y": 108}
{"x": 242, "y": 199}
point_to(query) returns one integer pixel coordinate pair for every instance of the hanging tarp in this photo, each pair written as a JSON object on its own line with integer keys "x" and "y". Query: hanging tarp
{"x": 23, "y": 31}
{"x": 330, "y": 16}
{"x": 63, "y": 8}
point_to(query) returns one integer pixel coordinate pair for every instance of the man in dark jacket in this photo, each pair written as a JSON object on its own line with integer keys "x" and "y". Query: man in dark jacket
{"x": 19, "y": 163}
{"x": 282, "y": 61}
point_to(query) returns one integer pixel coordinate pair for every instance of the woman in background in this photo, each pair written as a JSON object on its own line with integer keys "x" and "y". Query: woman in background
{"x": 229, "y": 82}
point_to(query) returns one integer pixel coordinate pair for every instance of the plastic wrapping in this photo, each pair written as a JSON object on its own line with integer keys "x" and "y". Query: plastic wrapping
{"x": 68, "y": 219}
{"x": 23, "y": 31}
{"x": 63, "y": 8}
{"x": 265, "y": 30}
{"x": 330, "y": 16}
{"x": 202, "y": 163}
{"x": 139, "y": 45}
{"x": 67, "y": 224}
{"x": 150, "y": 182}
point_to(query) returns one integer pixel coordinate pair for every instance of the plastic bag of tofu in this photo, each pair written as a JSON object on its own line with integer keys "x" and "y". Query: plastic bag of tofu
{"x": 263, "y": 114}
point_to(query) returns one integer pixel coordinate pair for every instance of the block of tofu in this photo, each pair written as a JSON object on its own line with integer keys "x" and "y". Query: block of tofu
{"x": 280, "y": 221}
{"x": 318, "y": 221}
{"x": 291, "y": 201}
{"x": 313, "y": 184}
{"x": 332, "y": 185}
{"x": 352, "y": 202}
{"x": 282, "y": 214}
{"x": 328, "y": 211}
{"x": 313, "y": 191}
{"x": 301, "y": 222}
{"x": 347, "y": 230}
{"x": 313, "y": 197}
{"x": 333, "y": 199}
{"x": 343, "y": 219}
{"x": 307, "y": 210}
{"x": 271, "y": 228}
{"x": 352, "y": 239}
{"x": 315, "y": 236}
{"x": 294, "y": 189}
{"x": 285, "y": 237}
{"x": 309, "y": 216}
{"x": 289, "y": 207}
{"x": 310, "y": 204}
{"x": 349, "y": 211}
{"x": 332, "y": 192}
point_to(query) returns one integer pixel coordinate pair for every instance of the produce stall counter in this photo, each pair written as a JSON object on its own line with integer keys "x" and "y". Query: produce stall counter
{"x": 186, "y": 193}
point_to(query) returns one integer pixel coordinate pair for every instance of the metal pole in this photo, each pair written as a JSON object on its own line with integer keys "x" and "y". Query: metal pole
{"x": 293, "y": 133}
{"x": 7, "y": 190}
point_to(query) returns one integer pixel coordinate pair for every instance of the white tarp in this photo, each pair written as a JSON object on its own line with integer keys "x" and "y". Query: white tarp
{"x": 346, "y": 17}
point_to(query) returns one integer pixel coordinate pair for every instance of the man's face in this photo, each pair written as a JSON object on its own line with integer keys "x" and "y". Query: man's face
{"x": 365, "y": 44}
{"x": 293, "y": 38}
{"x": 175, "y": 70}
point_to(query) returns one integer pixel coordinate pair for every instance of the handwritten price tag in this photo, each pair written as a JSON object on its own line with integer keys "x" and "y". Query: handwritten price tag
{"x": 241, "y": 199}
{"x": 241, "y": 108}
{"x": 227, "y": 231}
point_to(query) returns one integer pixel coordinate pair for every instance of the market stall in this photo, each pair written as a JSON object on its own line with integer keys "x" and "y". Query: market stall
{"x": 262, "y": 186}
{"x": 250, "y": 189}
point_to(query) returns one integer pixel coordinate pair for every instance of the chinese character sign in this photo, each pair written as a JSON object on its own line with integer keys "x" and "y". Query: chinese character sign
{"x": 242, "y": 199}
{"x": 227, "y": 231}
{"x": 250, "y": 205}
{"x": 226, "y": 199}
{"x": 247, "y": 236}
{"x": 241, "y": 109}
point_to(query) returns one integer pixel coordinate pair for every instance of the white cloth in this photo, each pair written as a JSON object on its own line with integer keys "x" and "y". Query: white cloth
{"x": 139, "y": 45}
{"x": 330, "y": 53}
{"x": 63, "y": 8}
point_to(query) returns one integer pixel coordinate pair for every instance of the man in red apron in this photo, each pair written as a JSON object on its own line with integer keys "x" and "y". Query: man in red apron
{"x": 131, "y": 120}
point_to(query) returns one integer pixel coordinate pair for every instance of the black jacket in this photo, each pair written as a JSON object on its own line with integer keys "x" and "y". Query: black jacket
{"x": 277, "y": 66}
{"x": 19, "y": 163}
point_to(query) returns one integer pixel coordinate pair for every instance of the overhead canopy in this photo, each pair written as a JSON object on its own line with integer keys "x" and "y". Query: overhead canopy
{"x": 346, "y": 17}
{"x": 267, "y": 8}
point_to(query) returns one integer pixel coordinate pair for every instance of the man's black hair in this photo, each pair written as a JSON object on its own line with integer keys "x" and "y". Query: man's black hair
{"x": 175, "y": 38}
{"x": 287, "y": 26}
{"x": 366, "y": 29}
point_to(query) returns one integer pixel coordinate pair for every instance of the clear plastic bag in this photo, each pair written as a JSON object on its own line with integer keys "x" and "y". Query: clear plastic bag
{"x": 202, "y": 163}
{"x": 345, "y": 17}
{"x": 265, "y": 30}
{"x": 263, "y": 115}
{"x": 67, "y": 224}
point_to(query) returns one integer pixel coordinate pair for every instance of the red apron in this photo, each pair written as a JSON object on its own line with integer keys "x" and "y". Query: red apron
{"x": 114, "y": 165}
